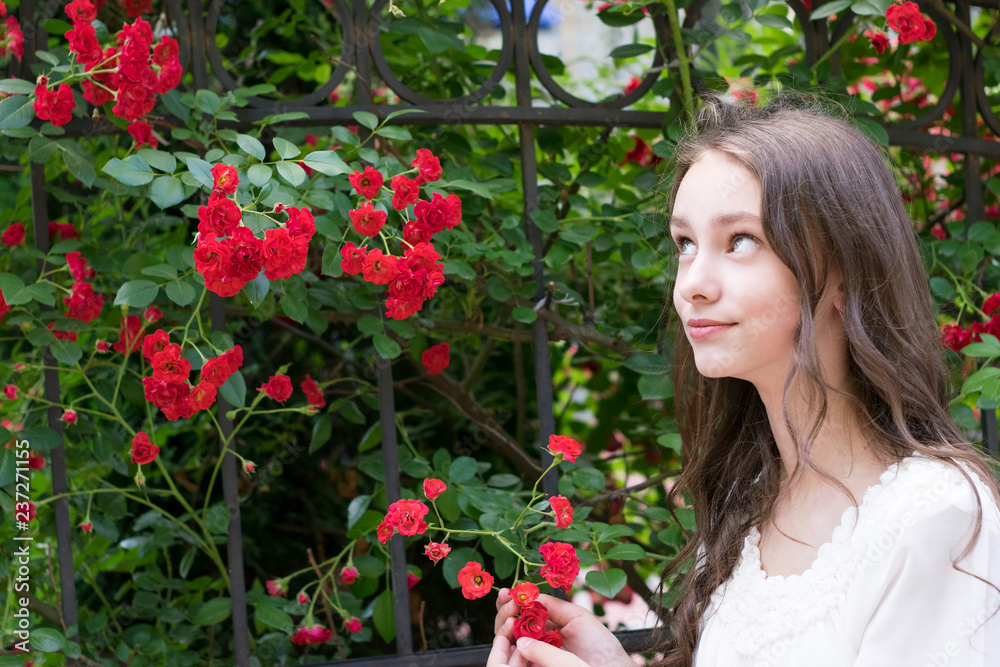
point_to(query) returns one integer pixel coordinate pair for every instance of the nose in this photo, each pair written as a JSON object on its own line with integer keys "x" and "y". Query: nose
{"x": 698, "y": 280}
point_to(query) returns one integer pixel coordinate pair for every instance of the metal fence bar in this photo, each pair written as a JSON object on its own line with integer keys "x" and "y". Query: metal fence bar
{"x": 230, "y": 494}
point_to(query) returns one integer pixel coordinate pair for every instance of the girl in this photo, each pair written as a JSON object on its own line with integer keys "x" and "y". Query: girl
{"x": 842, "y": 519}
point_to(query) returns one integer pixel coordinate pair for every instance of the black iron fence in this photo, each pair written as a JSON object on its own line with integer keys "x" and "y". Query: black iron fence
{"x": 520, "y": 59}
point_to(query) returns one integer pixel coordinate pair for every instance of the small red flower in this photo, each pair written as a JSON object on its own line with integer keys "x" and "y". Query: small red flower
{"x": 524, "y": 593}
{"x": 303, "y": 598}
{"x": 143, "y": 451}
{"x": 565, "y": 445}
{"x": 366, "y": 220}
{"x": 86, "y": 526}
{"x": 13, "y": 235}
{"x": 407, "y": 516}
{"x": 54, "y": 105}
{"x": 169, "y": 366}
{"x": 992, "y": 303}
{"x": 152, "y": 314}
{"x": 11, "y": 391}
{"x": 276, "y": 587}
{"x": 475, "y": 581}
{"x": 564, "y": 511}
{"x": 428, "y": 167}
{"x": 81, "y": 11}
{"x": 278, "y": 387}
{"x": 436, "y": 358}
{"x": 552, "y": 636}
{"x": 353, "y": 261}
{"x": 353, "y": 625}
{"x": 910, "y": 23}
{"x": 379, "y": 269}
{"x": 316, "y": 634}
{"x": 561, "y": 564}
{"x": 349, "y": 575}
{"x": 436, "y": 551}
{"x": 36, "y": 461}
{"x": 313, "y": 392}
{"x": 434, "y": 488}
{"x": 102, "y": 346}
{"x": 411, "y": 580}
{"x": 367, "y": 182}
{"x": 155, "y": 342}
{"x": 142, "y": 134}
{"x": 384, "y": 531}
{"x": 880, "y": 42}
{"x": 128, "y": 338}
{"x": 531, "y": 622}
{"x": 203, "y": 395}
{"x": 248, "y": 467}
{"x": 405, "y": 192}
{"x": 632, "y": 84}
{"x": 69, "y": 416}
{"x": 225, "y": 179}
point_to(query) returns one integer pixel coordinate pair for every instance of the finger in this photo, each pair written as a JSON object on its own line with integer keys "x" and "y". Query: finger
{"x": 503, "y": 597}
{"x": 562, "y": 612}
{"x": 545, "y": 655}
{"x": 507, "y": 630}
{"x": 505, "y": 612}
{"x": 499, "y": 653}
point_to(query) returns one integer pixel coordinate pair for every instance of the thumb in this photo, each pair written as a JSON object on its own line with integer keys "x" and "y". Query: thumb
{"x": 546, "y": 655}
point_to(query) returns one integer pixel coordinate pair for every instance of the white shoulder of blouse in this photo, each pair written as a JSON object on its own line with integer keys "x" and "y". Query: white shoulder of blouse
{"x": 760, "y": 610}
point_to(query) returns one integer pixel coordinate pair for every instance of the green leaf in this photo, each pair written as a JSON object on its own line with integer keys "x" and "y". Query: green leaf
{"x": 234, "y": 390}
{"x": 384, "y": 616}
{"x": 942, "y": 287}
{"x": 214, "y": 611}
{"x": 138, "y": 293}
{"x": 181, "y": 292}
{"x": 403, "y": 111}
{"x": 630, "y": 50}
{"x": 202, "y": 171}
{"x": 259, "y": 174}
{"x": 292, "y": 172}
{"x": 459, "y": 268}
{"x": 462, "y": 469}
{"x": 294, "y": 307}
{"x": 367, "y": 119}
{"x": 166, "y": 271}
{"x": 606, "y": 582}
{"x": 81, "y": 165}
{"x": 66, "y": 351}
{"x": 133, "y": 170}
{"x": 625, "y": 552}
{"x": 866, "y": 8}
{"x": 545, "y": 220}
{"x": 644, "y": 258}
{"x": 983, "y": 349}
{"x": 16, "y": 87}
{"x": 274, "y": 618}
{"x": 875, "y": 131}
{"x": 671, "y": 441}
{"x": 524, "y": 315}
{"x": 356, "y": 508}
{"x": 774, "y": 21}
{"x": 828, "y": 8}
{"x": 647, "y": 364}
{"x": 655, "y": 387}
{"x": 47, "y": 640}
{"x": 256, "y": 290}
{"x": 368, "y": 155}
{"x": 327, "y": 162}
{"x": 394, "y": 132}
{"x": 286, "y": 149}
{"x": 166, "y": 191}
{"x": 475, "y": 188}
{"x": 16, "y": 111}
{"x": 386, "y": 347}
{"x": 157, "y": 159}
{"x": 322, "y": 429}
{"x": 207, "y": 102}
{"x": 251, "y": 146}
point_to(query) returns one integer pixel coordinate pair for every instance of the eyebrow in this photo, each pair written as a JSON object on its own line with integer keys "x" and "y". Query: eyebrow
{"x": 679, "y": 222}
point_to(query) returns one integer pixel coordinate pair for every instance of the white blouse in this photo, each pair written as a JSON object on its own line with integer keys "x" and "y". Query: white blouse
{"x": 881, "y": 593}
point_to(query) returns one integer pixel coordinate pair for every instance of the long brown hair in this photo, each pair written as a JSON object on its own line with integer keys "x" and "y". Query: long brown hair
{"x": 828, "y": 200}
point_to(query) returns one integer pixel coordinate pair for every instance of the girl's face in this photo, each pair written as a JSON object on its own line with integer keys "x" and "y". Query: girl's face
{"x": 738, "y": 303}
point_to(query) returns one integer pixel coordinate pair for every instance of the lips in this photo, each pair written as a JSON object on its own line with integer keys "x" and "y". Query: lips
{"x": 705, "y": 328}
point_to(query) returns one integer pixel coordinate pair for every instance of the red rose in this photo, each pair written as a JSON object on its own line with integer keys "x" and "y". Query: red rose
{"x": 154, "y": 342}
{"x": 220, "y": 217}
{"x": 128, "y": 338}
{"x": 422, "y": 256}
{"x": 379, "y": 269}
{"x": 83, "y": 42}
{"x": 247, "y": 255}
{"x": 436, "y": 551}
{"x": 565, "y": 445}
{"x": 36, "y": 461}
{"x": 313, "y": 392}
{"x": 366, "y": 220}
{"x": 169, "y": 366}
{"x": 284, "y": 256}
{"x": 552, "y": 636}
{"x": 880, "y": 42}
{"x": 991, "y": 304}
{"x": 384, "y": 531}
{"x": 152, "y": 314}
{"x": 349, "y": 575}
{"x": 81, "y": 11}
{"x": 143, "y": 451}
{"x": 300, "y": 222}
{"x": 13, "y": 235}
{"x": 62, "y": 335}
{"x": 524, "y": 593}
{"x": 276, "y": 587}
{"x": 233, "y": 357}
{"x": 435, "y": 358}
{"x": 82, "y": 303}
{"x": 11, "y": 38}
{"x": 428, "y": 167}
{"x": 416, "y": 232}
{"x": 278, "y": 387}
{"x": 561, "y": 564}
{"x": 911, "y": 25}
{"x": 955, "y": 337}
{"x": 353, "y": 625}
{"x": 69, "y": 417}
{"x": 435, "y": 214}
{"x": 316, "y": 634}
{"x": 434, "y": 488}
{"x": 87, "y": 526}
{"x": 405, "y": 191}
{"x": 564, "y": 511}
{"x": 531, "y": 622}
{"x": 203, "y": 396}
{"x": 367, "y": 183}
{"x": 167, "y": 52}
{"x": 4, "y": 308}
{"x": 10, "y": 391}
{"x": 165, "y": 395}
{"x": 475, "y": 581}
{"x": 225, "y": 179}
{"x": 62, "y": 231}
{"x": 353, "y": 259}
{"x": 142, "y": 133}
{"x": 136, "y": 8}
{"x": 632, "y": 84}
{"x": 54, "y": 105}
{"x": 411, "y": 580}
{"x": 407, "y": 516}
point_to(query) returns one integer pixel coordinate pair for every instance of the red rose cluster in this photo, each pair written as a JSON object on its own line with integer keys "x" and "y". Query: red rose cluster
{"x": 563, "y": 511}
{"x": 910, "y": 23}
{"x": 168, "y": 387}
{"x": 315, "y": 634}
{"x": 11, "y": 37}
{"x": 566, "y": 446}
{"x": 406, "y": 516}
{"x": 955, "y": 337}
{"x": 82, "y": 303}
{"x": 561, "y": 564}
{"x": 533, "y": 615}
{"x": 231, "y": 263}
{"x": 414, "y": 277}
{"x": 476, "y": 582}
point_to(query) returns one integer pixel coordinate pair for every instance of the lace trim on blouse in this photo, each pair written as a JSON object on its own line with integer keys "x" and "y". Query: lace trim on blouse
{"x": 765, "y": 615}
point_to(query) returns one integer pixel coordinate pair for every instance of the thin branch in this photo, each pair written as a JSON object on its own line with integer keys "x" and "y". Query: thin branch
{"x": 628, "y": 490}
{"x": 326, "y": 603}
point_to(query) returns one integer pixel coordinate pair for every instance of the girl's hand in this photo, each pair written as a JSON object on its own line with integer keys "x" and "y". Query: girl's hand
{"x": 585, "y": 639}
